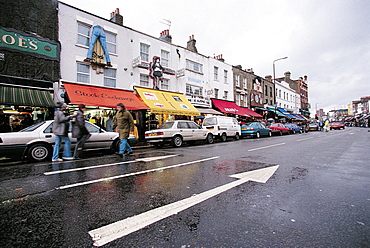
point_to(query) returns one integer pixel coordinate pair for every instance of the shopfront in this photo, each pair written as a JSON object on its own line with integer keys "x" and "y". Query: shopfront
{"x": 22, "y": 106}
{"x": 231, "y": 109}
{"x": 101, "y": 104}
{"x": 165, "y": 106}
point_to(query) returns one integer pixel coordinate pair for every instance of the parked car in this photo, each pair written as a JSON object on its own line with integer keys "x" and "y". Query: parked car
{"x": 222, "y": 127}
{"x": 177, "y": 132}
{"x": 278, "y": 128}
{"x": 255, "y": 129}
{"x": 313, "y": 127}
{"x": 293, "y": 128}
{"x": 36, "y": 142}
{"x": 337, "y": 125}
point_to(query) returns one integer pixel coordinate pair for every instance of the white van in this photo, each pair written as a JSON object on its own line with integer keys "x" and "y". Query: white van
{"x": 222, "y": 127}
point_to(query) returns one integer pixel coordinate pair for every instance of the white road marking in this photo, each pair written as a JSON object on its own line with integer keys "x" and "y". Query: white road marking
{"x": 108, "y": 233}
{"x": 106, "y": 165}
{"x": 305, "y": 139}
{"x": 134, "y": 173}
{"x": 264, "y": 147}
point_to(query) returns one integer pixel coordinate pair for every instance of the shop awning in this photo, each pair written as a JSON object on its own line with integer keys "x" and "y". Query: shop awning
{"x": 286, "y": 113}
{"x": 166, "y": 102}
{"x": 251, "y": 112}
{"x": 102, "y": 97}
{"x": 299, "y": 117}
{"x": 25, "y": 97}
{"x": 277, "y": 112}
{"x": 229, "y": 107}
{"x": 209, "y": 111}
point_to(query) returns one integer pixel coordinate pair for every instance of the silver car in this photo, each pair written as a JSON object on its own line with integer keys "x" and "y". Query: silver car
{"x": 177, "y": 132}
{"x": 36, "y": 142}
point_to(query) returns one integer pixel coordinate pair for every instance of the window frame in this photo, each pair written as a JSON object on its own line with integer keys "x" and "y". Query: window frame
{"x": 144, "y": 53}
{"x": 110, "y": 78}
{"x": 165, "y": 62}
{"x": 146, "y": 76}
{"x": 87, "y": 37}
{"x": 88, "y": 74}
{"x": 194, "y": 66}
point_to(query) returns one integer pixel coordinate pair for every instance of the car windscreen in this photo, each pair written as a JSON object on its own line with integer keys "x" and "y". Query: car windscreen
{"x": 274, "y": 125}
{"x": 32, "y": 128}
{"x": 166, "y": 125}
{"x": 210, "y": 121}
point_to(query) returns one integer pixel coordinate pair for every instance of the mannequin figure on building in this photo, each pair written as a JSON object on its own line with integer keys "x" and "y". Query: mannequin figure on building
{"x": 156, "y": 71}
{"x": 98, "y": 34}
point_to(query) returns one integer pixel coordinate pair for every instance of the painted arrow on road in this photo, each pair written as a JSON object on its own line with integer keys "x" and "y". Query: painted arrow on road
{"x": 119, "y": 229}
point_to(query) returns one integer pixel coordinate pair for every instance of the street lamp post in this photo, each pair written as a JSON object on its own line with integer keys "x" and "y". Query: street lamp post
{"x": 273, "y": 70}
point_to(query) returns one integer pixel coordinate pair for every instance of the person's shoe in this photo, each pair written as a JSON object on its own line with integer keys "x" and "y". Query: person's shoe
{"x": 57, "y": 160}
{"x": 119, "y": 154}
{"x": 109, "y": 64}
{"x": 87, "y": 60}
{"x": 67, "y": 158}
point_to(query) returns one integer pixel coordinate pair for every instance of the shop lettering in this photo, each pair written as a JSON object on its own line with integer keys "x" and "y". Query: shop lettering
{"x": 231, "y": 109}
{"x": 19, "y": 41}
{"x": 103, "y": 96}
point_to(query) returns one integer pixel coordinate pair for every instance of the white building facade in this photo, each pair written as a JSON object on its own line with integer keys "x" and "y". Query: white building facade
{"x": 197, "y": 76}
{"x": 287, "y": 98}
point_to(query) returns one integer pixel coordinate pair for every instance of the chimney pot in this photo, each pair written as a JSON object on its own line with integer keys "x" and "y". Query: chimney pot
{"x": 117, "y": 10}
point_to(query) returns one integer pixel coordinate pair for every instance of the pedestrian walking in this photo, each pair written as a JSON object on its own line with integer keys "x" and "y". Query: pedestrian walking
{"x": 327, "y": 126}
{"x": 109, "y": 123}
{"x": 123, "y": 123}
{"x": 79, "y": 130}
{"x": 60, "y": 129}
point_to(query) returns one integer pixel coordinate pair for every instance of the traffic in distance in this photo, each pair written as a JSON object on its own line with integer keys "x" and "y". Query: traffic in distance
{"x": 36, "y": 142}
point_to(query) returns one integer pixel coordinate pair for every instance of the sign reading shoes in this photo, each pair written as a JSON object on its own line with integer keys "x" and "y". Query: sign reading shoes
{"x": 17, "y": 41}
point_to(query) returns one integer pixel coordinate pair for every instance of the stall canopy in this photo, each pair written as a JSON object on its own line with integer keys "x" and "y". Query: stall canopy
{"x": 299, "y": 117}
{"x": 209, "y": 111}
{"x": 228, "y": 107}
{"x": 166, "y": 102}
{"x": 102, "y": 97}
{"x": 25, "y": 97}
{"x": 286, "y": 113}
{"x": 251, "y": 112}
{"x": 277, "y": 112}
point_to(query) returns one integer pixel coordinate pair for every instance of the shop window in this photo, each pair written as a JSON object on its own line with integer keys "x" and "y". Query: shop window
{"x": 83, "y": 36}
{"x": 111, "y": 42}
{"x": 165, "y": 58}
{"x": 215, "y": 70}
{"x": 194, "y": 66}
{"x": 110, "y": 77}
{"x": 83, "y": 73}
{"x": 165, "y": 84}
{"x": 144, "y": 52}
{"x": 144, "y": 80}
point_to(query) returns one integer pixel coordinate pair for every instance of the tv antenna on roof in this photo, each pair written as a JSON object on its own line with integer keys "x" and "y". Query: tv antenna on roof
{"x": 167, "y": 22}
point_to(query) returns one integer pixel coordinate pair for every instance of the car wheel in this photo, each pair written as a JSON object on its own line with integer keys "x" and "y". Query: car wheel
{"x": 39, "y": 152}
{"x": 176, "y": 141}
{"x": 258, "y": 135}
{"x": 209, "y": 139}
{"x": 223, "y": 137}
{"x": 270, "y": 134}
{"x": 116, "y": 145}
{"x": 237, "y": 137}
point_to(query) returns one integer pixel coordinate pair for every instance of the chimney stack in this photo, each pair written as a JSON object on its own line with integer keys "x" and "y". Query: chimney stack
{"x": 287, "y": 74}
{"x": 165, "y": 35}
{"x": 116, "y": 17}
{"x": 191, "y": 44}
{"x": 219, "y": 57}
{"x": 268, "y": 78}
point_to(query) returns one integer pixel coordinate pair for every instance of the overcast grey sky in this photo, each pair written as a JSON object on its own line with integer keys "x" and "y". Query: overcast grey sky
{"x": 329, "y": 41}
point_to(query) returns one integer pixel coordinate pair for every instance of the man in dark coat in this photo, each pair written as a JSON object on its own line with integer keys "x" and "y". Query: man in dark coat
{"x": 60, "y": 129}
{"x": 79, "y": 130}
{"x": 123, "y": 123}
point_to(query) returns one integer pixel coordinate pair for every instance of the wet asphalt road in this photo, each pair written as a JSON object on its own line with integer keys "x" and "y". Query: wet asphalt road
{"x": 318, "y": 197}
